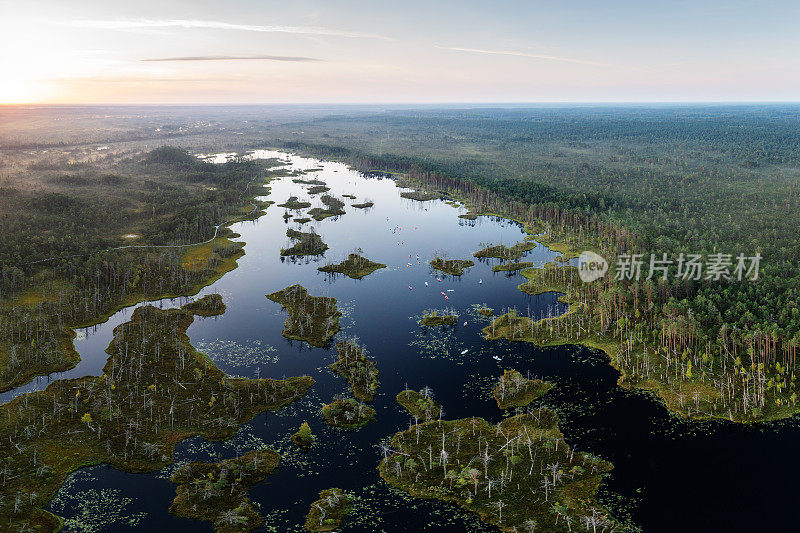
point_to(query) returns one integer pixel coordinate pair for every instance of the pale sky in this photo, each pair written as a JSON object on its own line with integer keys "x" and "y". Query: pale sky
{"x": 261, "y": 51}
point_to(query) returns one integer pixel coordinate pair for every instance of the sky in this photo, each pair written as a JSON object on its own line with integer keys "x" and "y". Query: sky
{"x": 263, "y": 51}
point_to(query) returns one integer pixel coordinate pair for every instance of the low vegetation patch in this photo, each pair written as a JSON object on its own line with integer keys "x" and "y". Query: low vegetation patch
{"x": 364, "y": 205}
{"x": 314, "y": 319}
{"x": 304, "y": 437}
{"x": 294, "y": 203}
{"x": 218, "y": 492}
{"x": 515, "y": 390}
{"x": 359, "y": 370}
{"x": 327, "y": 513}
{"x": 512, "y": 267}
{"x": 454, "y": 267}
{"x": 436, "y": 317}
{"x": 333, "y": 207}
{"x": 501, "y": 251}
{"x": 211, "y": 305}
{"x": 420, "y": 405}
{"x": 355, "y": 266}
{"x": 420, "y": 196}
{"x": 347, "y": 413}
{"x": 305, "y": 244}
{"x": 519, "y": 474}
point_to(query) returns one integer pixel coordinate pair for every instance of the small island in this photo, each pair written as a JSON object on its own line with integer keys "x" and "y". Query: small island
{"x": 501, "y": 251}
{"x": 364, "y": 205}
{"x": 294, "y": 203}
{"x": 327, "y": 513}
{"x": 316, "y": 189}
{"x": 357, "y": 368}
{"x": 347, "y": 413}
{"x": 454, "y": 267}
{"x": 420, "y": 405}
{"x": 304, "y": 437}
{"x": 355, "y": 266}
{"x": 333, "y": 207}
{"x": 519, "y": 475}
{"x": 512, "y": 267}
{"x": 305, "y": 244}
{"x": 207, "y": 306}
{"x": 314, "y": 319}
{"x": 435, "y": 317}
{"x": 514, "y": 390}
{"x": 218, "y": 492}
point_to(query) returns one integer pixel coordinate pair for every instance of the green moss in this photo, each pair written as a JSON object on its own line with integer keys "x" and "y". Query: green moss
{"x": 357, "y": 368}
{"x": 218, "y": 492}
{"x": 364, "y": 205}
{"x": 420, "y": 404}
{"x": 454, "y": 267}
{"x": 305, "y": 244}
{"x": 155, "y": 391}
{"x": 314, "y": 319}
{"x": 327, "y": 513}
{"x": 304, "y": 437}
{"x": 355, "y": 266}
{"x": 512, "y": 267}
{"x": 347, "y": 413}
{"x": 514, "y": 390}
{"x": 434, "y": 317}
{"x": 294, "y": 203}
{"x": 302, "y": 220}
{"x": 333, "y": 207}
{"x": 316, "y": 189}
{"x": 485, "y": 311}
{"x": 210, "y": 305}
{"x": 509, "y": 474}
{"x": 468, "y": 216}
{"x": 501, "y": 251}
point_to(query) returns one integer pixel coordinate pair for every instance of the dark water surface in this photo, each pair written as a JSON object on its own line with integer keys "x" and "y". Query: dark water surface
{"x": 670, "y": 474}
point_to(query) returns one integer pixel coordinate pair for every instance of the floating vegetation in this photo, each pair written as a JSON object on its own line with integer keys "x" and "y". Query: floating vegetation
{"x": 294, "y": 203}
{"x": 434, "y": 342}
{"x": 314, "y": 319}
{"x": 333, "y": 207}
{"x": 454, "y": 267}
{"x": 97, "y": 509}
{"x": 327, "y": 513}
{"x": 364, "y": 205}
{"x": 501, "y": 251}
{"x": 420, "y": 196}
{"x": 514, "y": 390}
{"x": 436, "y": 317}
{"x": 234, "y": 354}
{"x": 347, "y": 413}
{"x": 210, "y": 305}
{"x": 512, "y": 267}
{"x": 420, "y": 405}
{"x": 355, "y": 266}
{"x": 316, "y": 189}
{"x": 519, "y": 475}
{"x": 305, "y": 243}
{"x": 357, "y": 368}
{"x": 155, "y": 391}
{"x": 304, "y": 437}
{"x": 218, "y": 492}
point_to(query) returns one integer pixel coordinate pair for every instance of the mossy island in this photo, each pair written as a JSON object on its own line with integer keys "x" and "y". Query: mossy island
{"x": 351, "y": 196}
{"x": 420, "y": 405}
{"x": 294, "y": 203}
{"x": 519, "y": 474}
{"x": 218, "y": 492}
{"x": 454, "y": 267}
{"x": 358, "y": 369}
{"x": 317, "y": 189}
{"x": 437, "y": 317}
{"x": 306, "y": 243}
{"x": 333, "y": 207}
{"x": 156, "y": 390}
{"x": 515, "y": 390}
{"x": 420, "y": 196}
{"x": 304, "y": 437}
{"x": 355, "y": 266}
{"x": 314, "y": 319}
{"x": 512, "y": 267}
{"x": 468, "y": 216}
{"x": 327, "y": 513}
{"x": 207, "y": 306}
{"x": 484, "y": 311}
{"x": 364, "y": 205}
{"x": 501, "y": 251}
{"x": 347, "y": 413}
{"x": 314, "y": 182}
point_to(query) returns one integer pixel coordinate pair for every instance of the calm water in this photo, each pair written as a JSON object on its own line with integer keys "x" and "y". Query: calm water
{"x": 669, "y": 474}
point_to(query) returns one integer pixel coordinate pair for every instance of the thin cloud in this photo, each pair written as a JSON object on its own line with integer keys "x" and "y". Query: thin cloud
{"x": 525, "y": 54}
{"x": 145, "y": 24}
{"x": 297, "y": 59}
